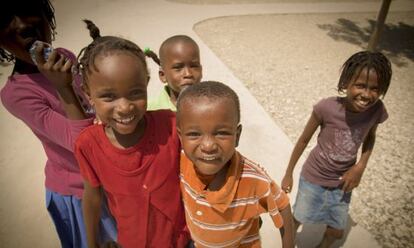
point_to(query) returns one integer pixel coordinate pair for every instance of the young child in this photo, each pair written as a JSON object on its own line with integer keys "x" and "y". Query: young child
{"x": 134, "y": 156}
{"x": 43, "y": 98}
{"x": 179, "y": 67}
{"x": 332, "y": 170}
{"x": 224, "y": 193}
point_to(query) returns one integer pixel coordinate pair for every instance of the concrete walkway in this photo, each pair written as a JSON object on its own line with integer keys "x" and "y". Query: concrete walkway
{"x": 23, "y": 217}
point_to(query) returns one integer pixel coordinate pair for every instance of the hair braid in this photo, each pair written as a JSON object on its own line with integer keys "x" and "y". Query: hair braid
{"x": 104, "y": 45}
{"x": 371, "y": 61}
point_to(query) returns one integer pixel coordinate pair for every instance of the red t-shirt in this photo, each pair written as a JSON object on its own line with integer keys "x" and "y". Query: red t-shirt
{"x": 141, "y": 182}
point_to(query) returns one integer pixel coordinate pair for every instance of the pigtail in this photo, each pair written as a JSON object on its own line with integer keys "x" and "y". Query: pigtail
{"x": 93, "y": 29}
{"x": 149, "y": 53}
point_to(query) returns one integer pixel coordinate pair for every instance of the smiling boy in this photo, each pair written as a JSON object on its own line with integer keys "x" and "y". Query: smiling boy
{"x": 224, "y": 193}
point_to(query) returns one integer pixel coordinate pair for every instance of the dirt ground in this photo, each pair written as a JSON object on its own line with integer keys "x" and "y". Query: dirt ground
{"x": 289, "y": 62}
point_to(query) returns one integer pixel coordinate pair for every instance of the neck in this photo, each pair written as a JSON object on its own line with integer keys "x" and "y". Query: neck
{"x": 21, "y": 67}
{"x": 124, "y": 141}
{"x": 173, "y": 96}
{"x": 215, "y": 182}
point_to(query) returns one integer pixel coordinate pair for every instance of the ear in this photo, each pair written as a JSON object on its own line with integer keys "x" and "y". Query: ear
{"x": 161, "y": 75}
{"x": 179, "y": 134}
{"x": 86, "y": 90}
{"x": 239, "y": 130}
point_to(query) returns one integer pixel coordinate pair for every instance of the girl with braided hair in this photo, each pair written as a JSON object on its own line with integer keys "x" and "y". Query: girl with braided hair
{"x": 43, "y": 94}
{"x": 133, "y": 157}
{"x": 332, "y": 170}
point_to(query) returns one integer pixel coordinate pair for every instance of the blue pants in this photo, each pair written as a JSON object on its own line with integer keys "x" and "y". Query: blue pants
{"x": 66, "y": 213}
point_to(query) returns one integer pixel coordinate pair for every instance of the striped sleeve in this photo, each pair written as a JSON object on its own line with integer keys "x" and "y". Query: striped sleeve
{"x": 274, "y": 202}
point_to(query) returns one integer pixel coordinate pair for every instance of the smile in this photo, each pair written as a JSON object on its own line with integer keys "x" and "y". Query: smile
{"x": 126, "y": 120}
{"x": 209, "y": 158}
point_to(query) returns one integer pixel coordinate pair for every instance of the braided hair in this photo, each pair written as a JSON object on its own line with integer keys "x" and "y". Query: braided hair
{"x": 104, "y": 45}
{"x": 212, "y": 90}
{"x": 22, "y": 8}
{"x": 366, "y": 60}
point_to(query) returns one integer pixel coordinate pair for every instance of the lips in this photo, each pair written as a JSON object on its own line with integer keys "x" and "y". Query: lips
{"x": 125, "y": 120}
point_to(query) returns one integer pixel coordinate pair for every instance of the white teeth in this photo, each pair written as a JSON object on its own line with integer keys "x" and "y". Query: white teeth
{"x": 126, "y": 120}
{"x": 209, "y": 158}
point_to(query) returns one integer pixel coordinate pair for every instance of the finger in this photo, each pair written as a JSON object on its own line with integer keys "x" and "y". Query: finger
{"x": 59, "y": 63}
{"x": 67, "y": 65}
{"x": 345, "y": 188}
{"x": 51, "y": 60}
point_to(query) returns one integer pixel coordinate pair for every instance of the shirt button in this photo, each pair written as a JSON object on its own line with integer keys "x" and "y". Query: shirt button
{"x": 144, "y": 186}
{"x": 199, "y": 213}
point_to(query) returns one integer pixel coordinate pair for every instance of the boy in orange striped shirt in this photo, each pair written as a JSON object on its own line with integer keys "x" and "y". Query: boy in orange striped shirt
{"x": 224, "y": 193}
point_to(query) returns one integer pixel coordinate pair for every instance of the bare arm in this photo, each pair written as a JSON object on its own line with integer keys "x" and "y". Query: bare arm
{"x": 353, "y": 176}
{"x": 286, "y": 231}
{"x": 91, "y": 206}
{"x": 300, "y": 146}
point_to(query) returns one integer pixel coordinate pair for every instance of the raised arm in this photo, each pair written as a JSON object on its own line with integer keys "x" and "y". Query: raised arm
{"x": 353, "y": 176}
{"x": 57, "y": 68}
{"x": 310, "y": 128}
{"x": 91, "y": 206}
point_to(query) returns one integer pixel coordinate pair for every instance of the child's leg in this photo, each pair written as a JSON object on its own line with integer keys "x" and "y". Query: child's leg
{"x": 338, "y": 203}
{"x": 330, "y": 236}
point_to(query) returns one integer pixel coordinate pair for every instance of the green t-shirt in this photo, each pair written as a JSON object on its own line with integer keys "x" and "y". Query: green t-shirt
{"x": 162, "y": 101}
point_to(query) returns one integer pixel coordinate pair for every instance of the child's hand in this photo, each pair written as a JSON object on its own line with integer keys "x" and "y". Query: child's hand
{"x": 287, "y": 183}
{"x": 57, "y": 67}
{"x": 111, "y": 244}
{"x": 352, "y": 177}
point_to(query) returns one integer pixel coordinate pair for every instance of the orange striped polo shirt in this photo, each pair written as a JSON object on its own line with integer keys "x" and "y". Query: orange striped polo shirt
{"x": 229, "y": 217}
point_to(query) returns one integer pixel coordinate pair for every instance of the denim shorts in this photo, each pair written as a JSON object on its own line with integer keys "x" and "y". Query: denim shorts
{"x": 320, "y": 205}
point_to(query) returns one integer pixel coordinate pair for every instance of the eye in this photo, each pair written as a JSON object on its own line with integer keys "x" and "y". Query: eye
{"x": 192, "y": 135}
{"x": 195, "y": 65}
{"x": 178, "y": 67}
{"x": 224, "y": 133}
{"x": 137, "y": 93}
{"x": 107, "y": 97}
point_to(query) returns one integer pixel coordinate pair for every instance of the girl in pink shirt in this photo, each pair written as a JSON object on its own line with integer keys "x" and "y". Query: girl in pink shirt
{"x": 43, "y": 98}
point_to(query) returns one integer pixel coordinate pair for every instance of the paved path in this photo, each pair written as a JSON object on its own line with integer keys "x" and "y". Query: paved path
{"x": 147, "y": 23}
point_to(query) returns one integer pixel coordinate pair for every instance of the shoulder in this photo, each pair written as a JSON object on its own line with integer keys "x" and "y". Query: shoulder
{"x": 380, "y": 112}
{"x": 88, "y": 136}
{"x": 254, "y": 171}
{"x": 21, "y": 88}
{"x": 165, "y": 116}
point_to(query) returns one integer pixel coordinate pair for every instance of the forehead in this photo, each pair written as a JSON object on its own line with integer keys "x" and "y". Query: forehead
{"x": 217, "y": 108}
{"x": 180, "y": 48}
{"x": 118, "y": 67}
{"x": 366, "y": 74}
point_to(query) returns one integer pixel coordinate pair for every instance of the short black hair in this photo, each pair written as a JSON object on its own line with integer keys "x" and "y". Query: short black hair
{"x": 103, "y": 45}
{"x": 366, "y": 60}
{"x": 212, "y": 90}
{"x": 174, "y": 40}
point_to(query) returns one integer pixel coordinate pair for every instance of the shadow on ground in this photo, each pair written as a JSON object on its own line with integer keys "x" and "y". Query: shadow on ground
{"x": 396, "y": 40}
{"x": 311, "y": 234}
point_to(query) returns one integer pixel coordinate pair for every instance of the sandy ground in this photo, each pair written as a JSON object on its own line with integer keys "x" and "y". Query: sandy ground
{"x": 293, "y": 67}
{"x": 289, "y": 62}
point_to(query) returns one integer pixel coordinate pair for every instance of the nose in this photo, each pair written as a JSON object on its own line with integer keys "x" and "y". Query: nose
{"x": 188, "y": 72}
{"x": 124, "y": 106}
{"x": 208, "y": 145}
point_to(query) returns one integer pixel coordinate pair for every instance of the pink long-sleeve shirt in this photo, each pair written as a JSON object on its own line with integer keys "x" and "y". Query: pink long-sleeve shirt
{"x": 33, "y": 99}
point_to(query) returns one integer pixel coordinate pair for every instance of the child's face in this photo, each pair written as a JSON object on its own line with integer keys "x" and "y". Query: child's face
{"x": 18, "y": 33}
{"x": 363, "y": 92}
{"x": 209, "y": 132}
{"x": 118, "y": 91}
{"x": 181, "y": 66}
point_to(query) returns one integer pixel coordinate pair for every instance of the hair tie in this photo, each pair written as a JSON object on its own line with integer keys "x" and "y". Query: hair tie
{"x": 147, "y": 50}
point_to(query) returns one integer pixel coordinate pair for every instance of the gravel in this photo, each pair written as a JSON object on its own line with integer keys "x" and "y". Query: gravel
{"x": 289, "y": 62}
